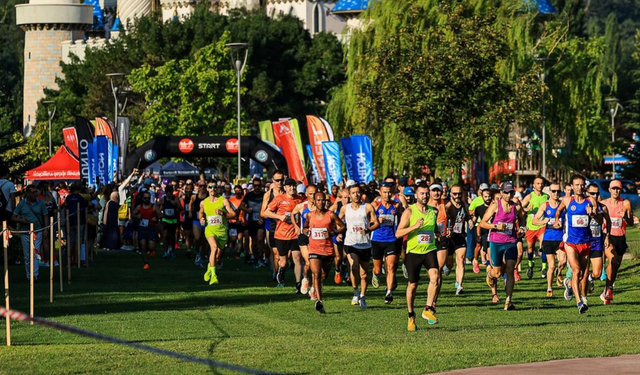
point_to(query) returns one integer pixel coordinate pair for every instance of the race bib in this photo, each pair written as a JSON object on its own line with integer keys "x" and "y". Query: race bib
{"x": 596, "y": 231}
{"x": 319, "y": 233}
{"x": 425, "y": 237}
{"x": 144, "y": 223}
{"x": 616, "y": 222}
{"x": 387, "y": 220}
{"x": 214, "y": 220}
{"x": 233, "y": 232}
{"x": 169, "y": 212}
{"x": 457, "y": 228}
{"x": 508, "y": 228}
{"x": 255, "y": 216}
{"x": 580, "y": 221}
{"x": 356, "y": 229}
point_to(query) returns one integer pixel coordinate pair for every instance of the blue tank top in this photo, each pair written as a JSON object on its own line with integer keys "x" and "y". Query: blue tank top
{"x": 578, "y": 231}
{"x": 597, "y": 241}
{"x": 169, "y": 209}
{"x": 550, "y": 233}
{"x": 388, "y": 218}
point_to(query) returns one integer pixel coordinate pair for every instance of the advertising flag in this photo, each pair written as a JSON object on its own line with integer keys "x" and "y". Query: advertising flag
{"x": 91, "y": 153}
{"x": 124, "y": 126}
{"x": 266, "y": 131}
{"x": 71, "y": 140}
{"x": 331, "y": 153}
{"x": 102, "y": 149}
{"x": 296, "y": 133}
{"x": 285, "y": 139}
{"x": 103, "y": 128}
{"x": 114, "y": 162}
{"x": 347, "y": 152}
{"x": 314, "y": 169}
{"x": 255, "y": 168}
{"x": 84, "y": 132}
{"x": 362, "y": 158}
{"x": 319, "y": 131}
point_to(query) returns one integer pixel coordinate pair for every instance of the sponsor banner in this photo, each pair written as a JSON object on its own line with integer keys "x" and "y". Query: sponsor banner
{"x": 124, "y": 126}
{"x": 84, "y": 132}
{"x": 255, "y": 169}
{"x": 314, "y": 168}
{"x": 113, "y": 168}
{"x": 56, "y": 175}
{"x": 266, "y": 131}
{"x": 71, "y": 140}
{"x": 362, "y": 158}
{"x": 103, "y": 127}
{"x": 285, "y": 140}
{"x": 91, "y": 152}
{"x": 319, "y": 131}
{"x": 296, "y": 133}
{"x": 347, "y": 152}
{"x": 102, "y": 149}
{"x": 331, "y": 154}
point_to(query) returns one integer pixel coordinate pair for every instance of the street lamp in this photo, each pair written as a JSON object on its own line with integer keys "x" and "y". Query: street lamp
{"x": 50, "y": 114}
{"x": 614, "y": 106}
{"x": 543, "y": 80}
{"x": 115, "y": 79}
{"x": 238, "y": 65}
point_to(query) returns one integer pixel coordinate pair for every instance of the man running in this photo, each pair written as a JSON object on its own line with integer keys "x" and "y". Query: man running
{"x": 338, "y": 241}
{"x": 186, "y": 223}
{"x": 170, "y": 209}
{"x": 214, "y": 212}
{"x": 458, "y": 219}
{"x": 621, "y": 215}
{"x": 271, "y": 251}
{"x": 419, "y": 224}
{"x": 531, "y": 203}
{"x": 147, "y": 214}
{"x": 597, "y": 240}
{"x": 437, "y": 203}
{"x": 361, "y": 220}
{"x": 252, "y": 204}
{"x": 502, "y": 218}
{"x": 237, "y": 225}
{"x": 384, "y": 245}
{"x": 552, "y": 237}
{"x": 578, "y": 238}
{"x": 482, "y": 235}
{"x": 198, "y": 229}
{"x": 299, "y": 214}
{"x": 320, "y": 226}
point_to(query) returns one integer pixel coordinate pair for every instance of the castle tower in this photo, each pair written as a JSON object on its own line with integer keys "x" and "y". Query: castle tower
{"x": 46, "y": 23}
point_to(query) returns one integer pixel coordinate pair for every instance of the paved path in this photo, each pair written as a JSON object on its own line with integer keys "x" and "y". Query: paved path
{"x": 626, "y": 364}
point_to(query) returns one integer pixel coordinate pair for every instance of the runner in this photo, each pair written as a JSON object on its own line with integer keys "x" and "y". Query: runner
{"x": 477, "y": 208}
{"x": 384, "y": 245}
{"x": 419, "y": 223}
{"x": 271, "y": 251}
{"x": 552, "y": 237}
{"x": 597, "y": 240}
{"x": 186, "y": 222}
{"x": 214, "y": 212}
{"x": 437, "y": 203}
{"x": 170, "y": 208}
{"x": 577, "y": 241}
{"x": 531, "y": 204}
{"x": 502, "y": 218}
{"x": 361, "y": 220}
{"x": 616, "y": 246}
{"x": 338, "y": 241}
{"x": 237, "y": 225}
{"x": 320, "y": 226}
{"x": 285, "y": 236}
{"x": 299, "y": 214}
{"x": 458, "y": 219}
{"x": 251, "y": 204}
{"x": 147, "y": 214}
{"x": 198, "y": 229}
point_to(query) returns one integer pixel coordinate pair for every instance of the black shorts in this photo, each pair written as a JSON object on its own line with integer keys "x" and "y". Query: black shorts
{"x": 284, "y": 246}
{"x": 187, "y": 225}
{"x": 169, "y": 227}
{"x": 443, "y": 244}
{"x": 380, "y": 250}
{"x": 595, "y": 254}
{"x": 454, "y": 243}
{"x": 303, "y": 240}
{"x": 484, "y": 241}
{"x": 414, "y": 263}
{"x": 619, "y": 244}
{"x": 323, "y": 258}
{"x": 235, "y": 228}
{"x": 363, "y": 254}
{"x": 550, "y": 247}
{"x": 253, "y": 228}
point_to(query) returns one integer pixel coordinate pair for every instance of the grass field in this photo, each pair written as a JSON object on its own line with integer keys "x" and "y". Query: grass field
{"x": 245, "y": 320}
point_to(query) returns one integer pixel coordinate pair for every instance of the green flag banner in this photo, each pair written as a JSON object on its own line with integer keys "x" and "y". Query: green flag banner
{"x": 266, "y": 131}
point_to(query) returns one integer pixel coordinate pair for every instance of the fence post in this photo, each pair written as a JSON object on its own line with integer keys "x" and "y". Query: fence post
{"x": 78, "y": 235}
{"x": 87, "y": 251}
{"x": 68, "y": 245}
{"x": 5, "y": 245}
{"x": 31, "y": 277}
{"x": 51, "y": 255}
{"x": 59, "y": 235}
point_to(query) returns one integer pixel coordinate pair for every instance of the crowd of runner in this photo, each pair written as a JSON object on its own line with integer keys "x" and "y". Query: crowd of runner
{"x": 287, "y": 226}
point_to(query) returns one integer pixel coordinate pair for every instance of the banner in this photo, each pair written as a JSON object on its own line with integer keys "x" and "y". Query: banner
{"x": 91, "y": 152}
{"x": 285, "y": 139}
{"x": 255, "y": 169}
{"x": 314, "y": 169}
{"x": 113, "y": 168}
{"x": 347, "y": 152}
{"x": 84, "y": 132}
{"x": 319, "y": 131}
{"x": 102, "y": 150}
{"x": 296, "y": 133}
{"x": 71, "y": 140}
{"x": 331, "y": 152}
{"x": 124, "y": 125}
{"x": 103, "y": 128}
{"x": 266, "y": 131}
{"x": 362, "y": 158}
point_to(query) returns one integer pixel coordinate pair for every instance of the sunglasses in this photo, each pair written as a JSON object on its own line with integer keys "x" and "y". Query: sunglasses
{"x": 616, "y": 188}
{"x": 555, "y": 191}
{"x": 211, "y": 187}
{"x": 509, "y": 192}
{"x": 593, "y": 193}
{"x": 257, "y": 185}
{"x": 279, "y": 180}
{"x": 456, "y": 194}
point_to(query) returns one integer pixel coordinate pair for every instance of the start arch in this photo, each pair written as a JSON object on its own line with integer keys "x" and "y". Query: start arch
{"x": 206, "y": 146}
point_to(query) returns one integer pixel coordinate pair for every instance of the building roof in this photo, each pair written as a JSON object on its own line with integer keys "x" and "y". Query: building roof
{"x": 351, "y": 6}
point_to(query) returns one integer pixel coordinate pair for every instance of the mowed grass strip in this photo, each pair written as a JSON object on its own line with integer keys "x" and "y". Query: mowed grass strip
{"x": 246, "y": 320}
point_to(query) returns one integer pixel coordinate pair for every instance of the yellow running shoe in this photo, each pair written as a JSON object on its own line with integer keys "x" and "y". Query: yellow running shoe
{"x": 214, "y": 279}
{"x": 429, "y": 316}
{"x": 411, "y": 324}
{"x": 549, "y": 293}
{"x": 207, "y": 274}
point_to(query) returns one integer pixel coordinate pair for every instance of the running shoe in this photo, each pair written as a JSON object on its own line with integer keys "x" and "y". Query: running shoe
{"x": 363, "y": 302}
{"x": 312, "y": 294}
{"x": 429, "y": 316}
{"x": 374, "y": 281}
{"x": 467, "y": 262}
{"x": 568, "y": 293}
{"x": 543, "y": 274}
{"x": 304, "y": 288}
{"x": 559, "y": 281}
{"x": 152, "y": 253}
{"x": 608, "y": 294}
{"x": 592, "y": 287}
{"x": 584, "y": 300}
{"x": 207, "y": 274}
{"x": 280, "y": 277}
{"x": 298, "y": 287}
{"x": 173, "y": 255}
{"x": 388, "y": 298}
{"x": 456, "y": 285}
{"x": 55, "y": 263}
{"x": 404, "y": 272}
{"x": 320, "y": 307}
{"x": 188, "y": 254}
{"x": 476, "y": 267}
{"x": 146, "y": 266}
{"x": 491, "y": 281}
{"x": 549, "y": 293}
{"x": 337, "y": 278}
{"x": 280, "y": 285}
{"x": 237, "y": 256}
{"x": 411, "y": 324}
{"x": 516, "y": 275}
{"x": 214, "y": 279}
{"x": 166, "y": 254}
{"x": 384, "y": 270}
{"x": 582, "y": 308}
{"x": 196, "y": 260}
{"x": 459, "y": 290}
{"x": 446, "y": 271}
{"x": 495, "y": 299}
{"x": 509, "y": 306}
{"x": 355, "y": 300}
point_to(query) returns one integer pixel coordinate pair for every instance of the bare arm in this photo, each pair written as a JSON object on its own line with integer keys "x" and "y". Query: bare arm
{"x": 628, "y": 212}
{"x": 559, "y": 211}
{"x": 339, "y": 224}
{"x": 229, "y": 212}
{"x": 488, "y": 215}
{"x": 373, "y": 219}
{"x": 538, "y": 220}
{"x": 403, "y": 227}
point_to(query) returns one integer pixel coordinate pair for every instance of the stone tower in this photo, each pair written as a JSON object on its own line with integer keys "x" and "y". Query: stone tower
{"x": 47, "y": 23}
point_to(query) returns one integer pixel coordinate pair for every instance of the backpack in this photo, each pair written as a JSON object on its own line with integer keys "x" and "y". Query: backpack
{"x": 3, "y": 200}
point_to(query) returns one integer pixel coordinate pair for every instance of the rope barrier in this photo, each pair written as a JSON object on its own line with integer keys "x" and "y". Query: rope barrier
{"x": 22, "y": 317}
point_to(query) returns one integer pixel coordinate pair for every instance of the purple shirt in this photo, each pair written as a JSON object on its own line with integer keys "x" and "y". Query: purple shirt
{"x": 509, "y": 219}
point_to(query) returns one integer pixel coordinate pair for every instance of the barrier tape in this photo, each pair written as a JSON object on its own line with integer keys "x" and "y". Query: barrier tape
{"x": 22, "y": 317}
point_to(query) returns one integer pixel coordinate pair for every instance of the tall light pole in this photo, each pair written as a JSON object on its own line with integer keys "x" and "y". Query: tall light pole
{"x": 51, "y": 114}
{"x": 614, "y": 106}
{"x": 115, "y": 79}
{"x": 543, "y": 81}
{"x": 239, "y": 65}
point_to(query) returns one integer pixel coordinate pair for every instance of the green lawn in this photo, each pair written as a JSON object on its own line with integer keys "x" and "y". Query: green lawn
{"x": 247, "y": 321}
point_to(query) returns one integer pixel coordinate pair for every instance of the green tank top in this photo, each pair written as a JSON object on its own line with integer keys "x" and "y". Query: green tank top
{"x": 535, "y": 202}
{"x": 422, "y": 240}
{"x": 215, "y": 223}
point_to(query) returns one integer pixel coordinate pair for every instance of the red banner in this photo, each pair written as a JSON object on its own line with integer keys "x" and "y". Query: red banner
{"x": 318, "y": 133}
{"x": 71, "y": 140}
{"x": 285, "y": 139}
{"x": 103, "y": 128}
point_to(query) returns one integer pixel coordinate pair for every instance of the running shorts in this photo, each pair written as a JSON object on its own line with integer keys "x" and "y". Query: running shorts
{"x": 454, "y": 243}
{"x": 381, "y": 249}
{"x": 595, "y": 254}
{"x": 550, "y": 247}
{"x": 414, "y": 263}
{"x": 619, "y": 244}
{"x": 500, "y": 251}
{"x": 582, "y": 249}
{"x": 363, "y": 254}
{"x": 534, "y": 236}
{"x": 284, "y": 246}
{"x": 322, "y": 258}
{"x": 147, "y": 233}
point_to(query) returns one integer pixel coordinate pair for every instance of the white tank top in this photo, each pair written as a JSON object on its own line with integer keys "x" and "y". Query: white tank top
{"x": 356, "y": 221}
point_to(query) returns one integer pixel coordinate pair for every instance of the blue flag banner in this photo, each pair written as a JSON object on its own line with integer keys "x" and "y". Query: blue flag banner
{"x": 255, "y": 169}
{"x": 114, "y": 162}
{"x": 333, "y": 166}
{"x": 102, "y": 150}
{"x": 91, "y": 153}
{"x": 314, "y": 167}
{"x": 347, "y": 152}
{"x": 362, "y": 158}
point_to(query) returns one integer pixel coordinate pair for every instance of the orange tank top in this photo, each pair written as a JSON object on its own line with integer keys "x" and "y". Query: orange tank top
{"x": 320, "y": 233}
{"x": 618, "y": 224}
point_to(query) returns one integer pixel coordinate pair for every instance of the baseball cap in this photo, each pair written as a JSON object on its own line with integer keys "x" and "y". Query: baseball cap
{"x": 403, "y": 181}
{"x": 301, "y": 189}
{"x": 494, "y": 186}
{"x": 483, "y": 186}
{"x": 290, "y": 182}
{"x": 418, "y": 181}
{"x": 615, "y": 183}
{"x": 351, "y": 183}
{"x": 435, "y": 187}
{"x": 408, "y": 191}
{"x": 507, "y": 186}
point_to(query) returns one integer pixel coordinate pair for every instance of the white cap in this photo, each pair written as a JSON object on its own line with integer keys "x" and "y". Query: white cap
{"x": 435, "y": 186}
{"x": 418, "y": 181}
{"x": 351, "y": 183}
{"x": 301, "y": 189}
{"x": 484, "y": 186}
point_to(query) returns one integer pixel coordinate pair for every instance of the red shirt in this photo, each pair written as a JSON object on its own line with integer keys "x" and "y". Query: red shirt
{"x": 280, "y": 205}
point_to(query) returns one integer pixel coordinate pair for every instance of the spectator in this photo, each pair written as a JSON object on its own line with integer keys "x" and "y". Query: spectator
{"x": 77, "y": 219}
{"x": 31, "y": 211}
{"x": 8, "y": 191}
{"x": 111, "y": 234}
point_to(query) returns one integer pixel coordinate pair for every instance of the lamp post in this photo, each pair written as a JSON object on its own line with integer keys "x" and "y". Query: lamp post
{"x": 614, "y": 106}
{"x": 51, "y": 114}
{"x": 239, "y": 65}
{"x": 114, "y": 78}
{"x": 543, "y": 81}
